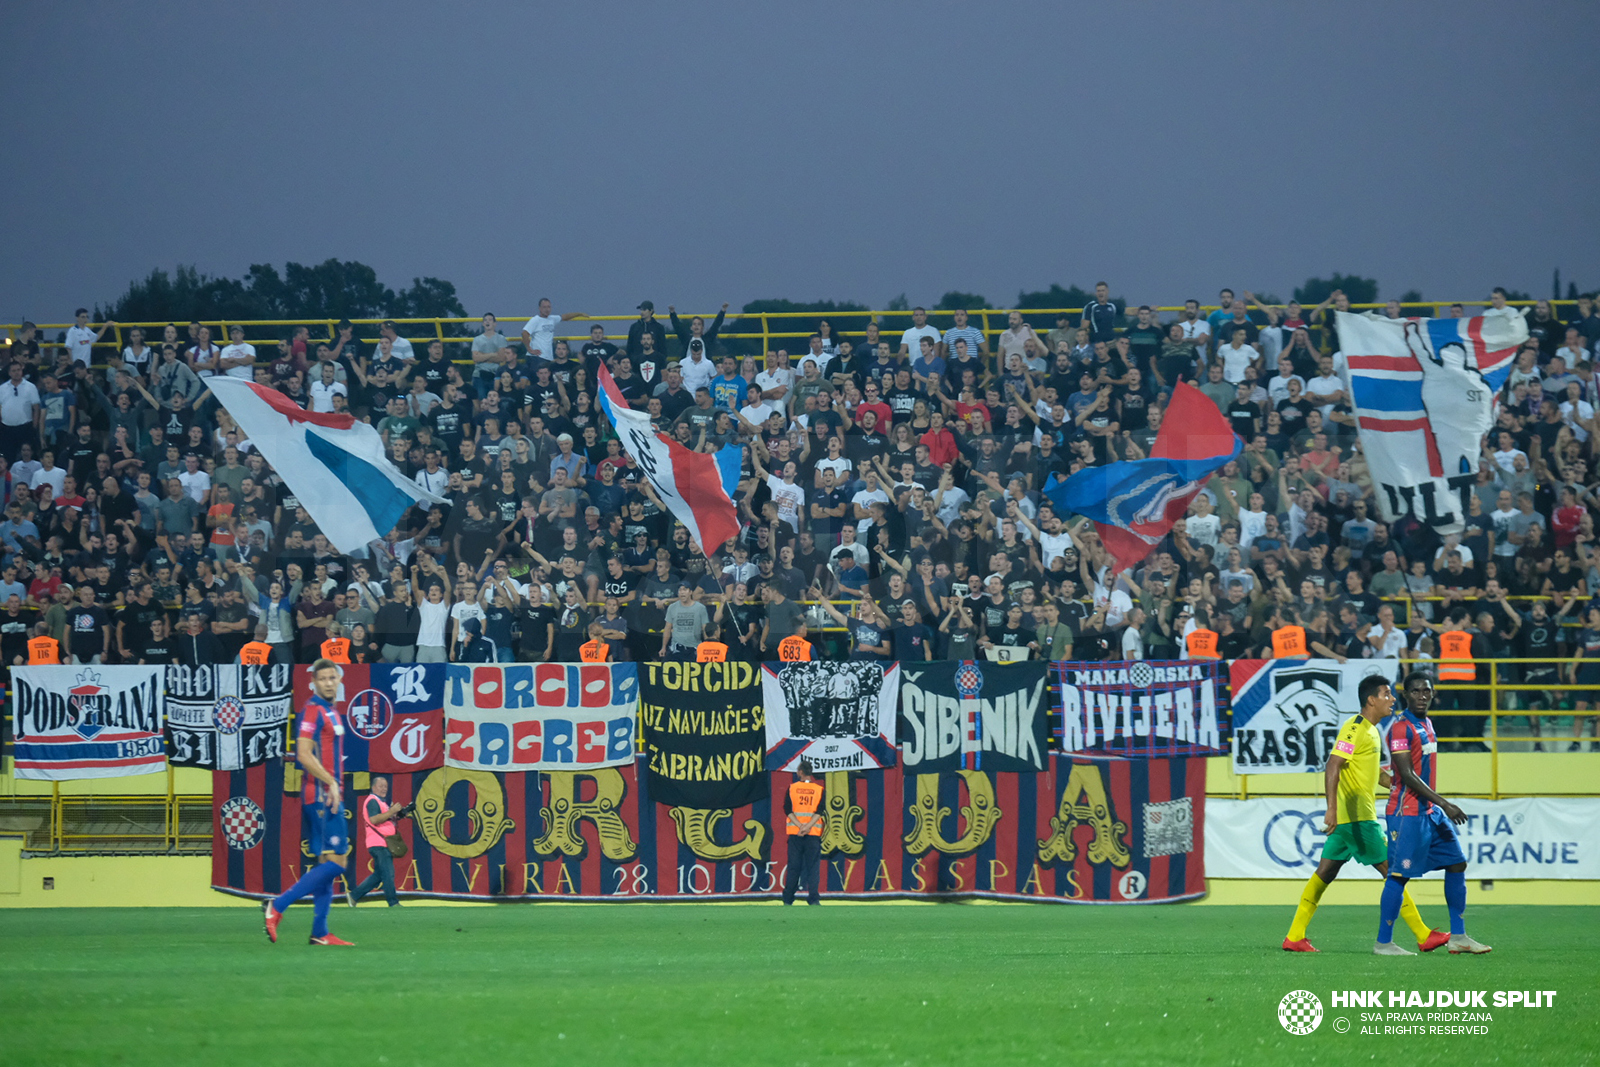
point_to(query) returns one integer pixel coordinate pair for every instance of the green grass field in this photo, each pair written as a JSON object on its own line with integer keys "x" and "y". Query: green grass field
{"x": 756, "y": 985}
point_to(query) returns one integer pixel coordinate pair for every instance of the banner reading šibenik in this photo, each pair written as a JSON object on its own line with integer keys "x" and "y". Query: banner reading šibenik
{"x": 704, "y": 733}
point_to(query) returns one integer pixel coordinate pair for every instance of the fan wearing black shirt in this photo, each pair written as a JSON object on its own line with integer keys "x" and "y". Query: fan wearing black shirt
{"x": 449, "y": 421}
{"x": 1012, "y": 633}
{"x": 158, "y": 647}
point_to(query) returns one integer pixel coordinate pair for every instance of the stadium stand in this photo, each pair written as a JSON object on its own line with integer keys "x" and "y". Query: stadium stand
{"x": 880, "y": 473}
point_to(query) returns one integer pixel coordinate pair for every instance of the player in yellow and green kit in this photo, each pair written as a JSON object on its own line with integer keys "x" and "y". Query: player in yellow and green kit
{"x": 1351, "y": 823}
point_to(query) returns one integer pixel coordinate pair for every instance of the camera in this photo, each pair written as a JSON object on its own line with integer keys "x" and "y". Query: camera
{"x": 406, "y": 810}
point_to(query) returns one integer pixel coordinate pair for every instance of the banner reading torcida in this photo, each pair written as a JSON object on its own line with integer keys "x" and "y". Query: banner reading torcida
{"x": 704, "y": 733}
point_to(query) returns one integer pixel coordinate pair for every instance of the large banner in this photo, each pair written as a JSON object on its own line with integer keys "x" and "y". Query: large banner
{"x": 1423, "y": 392}
{"x": 1154, "y": 708}
{"x": 1080, "y": 831}
{"x": 540, "y": 716}
{"x": 1529, "y": 837}
{"x": 225, "y": 716}
{"x": 394, "y": 712}
{"x": 839, "y": 716}
{"x": 86, "y": 722}
{"x": 1287, "y": 712}
{"x": 704, "y": 733}
{"x": 979, "y": 716}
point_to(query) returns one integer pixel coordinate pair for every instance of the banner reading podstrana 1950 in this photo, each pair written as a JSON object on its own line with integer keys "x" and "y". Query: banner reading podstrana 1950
{"x": 704, "y": 733}
{"x": 86, "y": 722}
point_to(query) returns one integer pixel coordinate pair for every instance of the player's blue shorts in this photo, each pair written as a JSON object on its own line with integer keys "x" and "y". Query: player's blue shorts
{"x": 1422, "y": 843}
{"x": 324, "y": 830}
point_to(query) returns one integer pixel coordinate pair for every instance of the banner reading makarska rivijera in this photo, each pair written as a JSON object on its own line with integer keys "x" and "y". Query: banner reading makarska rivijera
{"x": 839, "y": 716}
{"x": 704, "y": 733}
{"x": 962, "y": 713}
{"x": 227, "y": 716}
{"x": 1287, "y": 712}
{"x": 1164, "y": 708}
{"x": 540, "y": 716}
{"x": 88, "y": 722}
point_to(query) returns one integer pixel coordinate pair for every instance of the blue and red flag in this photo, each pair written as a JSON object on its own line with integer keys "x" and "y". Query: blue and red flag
{"x": 1135, "y": 502}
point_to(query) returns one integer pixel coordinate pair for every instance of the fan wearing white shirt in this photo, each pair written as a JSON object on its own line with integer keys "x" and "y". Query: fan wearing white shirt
{"x": 789, "y": 495}
{"x": 539, "y": 335}
{"x": 774, "y": 382}
{"x": 238, "y": 359}
{"x": 1237, "y": 357}
{"x": 323, "y": 390}
{"x": 81, "y": 338}
{"x": 757, "y": 414}
{"x": 205, "y": 358}
{"x": 399, "y": 347}
{"x": 911, "y": 340}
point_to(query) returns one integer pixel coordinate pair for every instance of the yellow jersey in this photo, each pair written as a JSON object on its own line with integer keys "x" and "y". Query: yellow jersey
{"x": 1360, "y": 744}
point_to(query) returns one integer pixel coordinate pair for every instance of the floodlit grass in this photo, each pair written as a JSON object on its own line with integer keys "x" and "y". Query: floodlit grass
{"x": 758, "y": 985}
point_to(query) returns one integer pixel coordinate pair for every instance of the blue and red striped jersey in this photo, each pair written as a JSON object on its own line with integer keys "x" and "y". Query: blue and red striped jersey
{"x": 320, "y": 725}
{"x": 1411, "y": 738}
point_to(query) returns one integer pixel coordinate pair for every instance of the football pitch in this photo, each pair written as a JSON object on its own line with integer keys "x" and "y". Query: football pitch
{"x": 756, "y": 985}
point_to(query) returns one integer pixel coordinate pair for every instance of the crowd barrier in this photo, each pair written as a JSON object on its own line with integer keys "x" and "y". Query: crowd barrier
{"x": 991, "y": 322}
{"x": 91, "y": 722}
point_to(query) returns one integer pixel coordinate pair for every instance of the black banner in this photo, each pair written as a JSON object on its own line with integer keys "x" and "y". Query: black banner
{"x": 973, "y": 714}
{"x": 704, "y": 733}
{"x": 225, "y": 716}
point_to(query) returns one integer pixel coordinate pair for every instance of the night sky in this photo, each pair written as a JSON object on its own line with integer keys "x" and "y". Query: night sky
{"x": 699, "y": 152}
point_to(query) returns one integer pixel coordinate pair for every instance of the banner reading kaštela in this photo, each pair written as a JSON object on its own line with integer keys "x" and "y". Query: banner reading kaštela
{"x": 1287, "y": 712}
{"x": 704, "y": 733}
{"x": 86, "y": 722}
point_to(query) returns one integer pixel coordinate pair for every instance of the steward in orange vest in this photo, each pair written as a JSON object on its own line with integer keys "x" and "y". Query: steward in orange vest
{"x": 711, "y": 652}
{"x": 43, "y": 650}
{"x": 1455, "y": 657}
{"x": 1202, "y": 644}
{"x": 795, "y": 649}
{"x": 804, "y": 827}
{"x": 337, "y": 650}
{"x": 594, "y": 651}
{"x": 1289, "y": 642}
{"x": 258, "y": 654}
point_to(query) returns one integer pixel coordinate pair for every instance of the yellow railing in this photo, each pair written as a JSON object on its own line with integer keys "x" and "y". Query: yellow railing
{"x": 96, "y": 822}
{"x": 991, "y": 321}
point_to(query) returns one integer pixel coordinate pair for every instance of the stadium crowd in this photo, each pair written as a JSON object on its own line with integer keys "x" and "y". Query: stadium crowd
{"x": 889, "y": 499}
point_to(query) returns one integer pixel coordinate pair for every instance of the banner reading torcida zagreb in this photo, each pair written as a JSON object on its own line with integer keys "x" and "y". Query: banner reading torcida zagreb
{"x": 704, "y": 733}
{"x": 540, "y": 716}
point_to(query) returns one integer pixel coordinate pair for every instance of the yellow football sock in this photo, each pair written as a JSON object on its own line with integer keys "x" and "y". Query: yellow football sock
{"x": 1309, "y": 898}
{"x": 1413, "y": 918}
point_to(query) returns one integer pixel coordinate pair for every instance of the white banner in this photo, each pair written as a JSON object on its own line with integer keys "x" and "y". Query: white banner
{"x": 839, "y": 716}
{"x": 540, "y": 716}
{"x": 1529, "y": 837}
{"x": 1422, "y": 390}
{"x": 1287, "y": 712}
{"x": 86, "y": 722}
